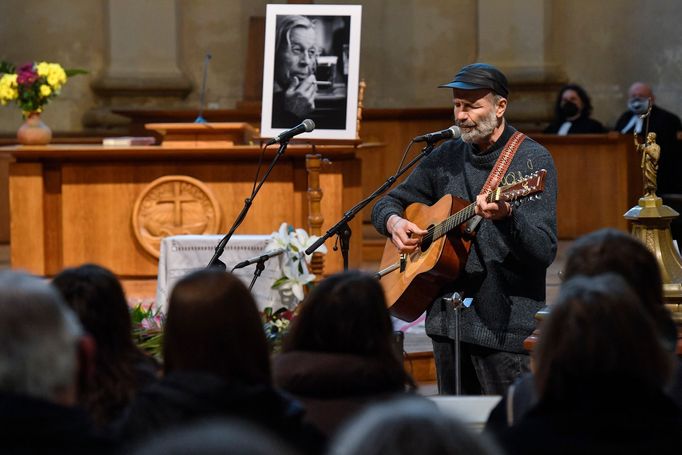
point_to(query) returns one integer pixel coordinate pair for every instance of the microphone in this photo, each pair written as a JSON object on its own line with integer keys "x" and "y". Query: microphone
{"x": 305, "y": 127}
{"x": 452, "y": 132}
{"x": 262, "y": 257}
{"x": 200, "y": 118}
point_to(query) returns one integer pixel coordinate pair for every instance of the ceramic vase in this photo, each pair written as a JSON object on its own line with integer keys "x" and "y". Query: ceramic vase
{"x": 34, "y": 131}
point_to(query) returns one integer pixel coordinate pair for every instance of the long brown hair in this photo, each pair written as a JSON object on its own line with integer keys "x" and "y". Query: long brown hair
{"x": 346, "y": 313}
{"x": 598, "y": 334}
{"x": 213, "y": 325}
{"x": 96, "y": 296}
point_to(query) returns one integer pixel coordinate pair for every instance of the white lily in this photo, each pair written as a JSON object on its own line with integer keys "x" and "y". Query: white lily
{"x": 301, "y": 241}
{"x": 295, "y": 280}
{"x": 279, "y": 239}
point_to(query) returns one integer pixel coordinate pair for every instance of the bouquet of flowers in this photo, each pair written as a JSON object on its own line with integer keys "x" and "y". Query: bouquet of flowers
{"x": 294, "y": 264}
{"x": 32, "y": 85}
{"x": 148, "y": 329}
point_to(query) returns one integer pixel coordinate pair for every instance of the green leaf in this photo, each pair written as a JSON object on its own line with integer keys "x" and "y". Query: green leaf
{"x": 279, "y": 282}
{"x": 75, "y": 71}
{"x": 6, "y": 67}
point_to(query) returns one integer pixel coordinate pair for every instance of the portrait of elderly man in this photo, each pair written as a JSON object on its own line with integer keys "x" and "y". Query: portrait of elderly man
{"x": 295, "y": 85}
{"x": 308, "y": 71}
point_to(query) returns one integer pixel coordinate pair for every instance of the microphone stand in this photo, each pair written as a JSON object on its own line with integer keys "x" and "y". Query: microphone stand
{"x": 200, "y": 118}
{"x": 220, "y": 248}
{"x": 343, "y": 230}
{"x": 260, "y": 266}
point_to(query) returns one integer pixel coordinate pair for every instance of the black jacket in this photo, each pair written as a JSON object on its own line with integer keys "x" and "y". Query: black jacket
{"x": 582, "y": 125}
{"x": 32, "y": 425}
{"x": 187, "y": 396}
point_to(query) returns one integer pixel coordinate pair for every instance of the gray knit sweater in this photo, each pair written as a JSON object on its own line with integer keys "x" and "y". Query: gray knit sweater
{"x": 506, "y": 268}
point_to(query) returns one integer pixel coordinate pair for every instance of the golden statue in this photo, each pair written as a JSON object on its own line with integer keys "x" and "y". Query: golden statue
{"x": 651, "y": 152}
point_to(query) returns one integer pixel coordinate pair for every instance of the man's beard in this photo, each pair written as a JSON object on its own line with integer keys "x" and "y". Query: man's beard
{"x": 483, "y": 129}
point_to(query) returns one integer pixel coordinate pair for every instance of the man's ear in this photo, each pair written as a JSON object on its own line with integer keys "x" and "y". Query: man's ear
{"x": 87, "y": 349}
{"x": 501, "y": 107}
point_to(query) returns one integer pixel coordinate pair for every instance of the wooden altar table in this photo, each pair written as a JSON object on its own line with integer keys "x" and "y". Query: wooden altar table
{"x": 71, "y": 204}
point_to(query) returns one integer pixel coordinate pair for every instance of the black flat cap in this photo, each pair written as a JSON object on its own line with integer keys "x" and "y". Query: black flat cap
{"x": 479, "y": 76}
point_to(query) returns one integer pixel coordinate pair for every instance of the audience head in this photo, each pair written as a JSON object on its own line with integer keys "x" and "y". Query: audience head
{"x": 213, "y": 325}
{"x": 296, "y": 49}
{"x": 638, "y": 97}
{"x": 597, "y": 337}
{"x": 96, "y": 295}
{"x": 214, "y": 437}
{"x": 408, "y": 426}
{"x": 120, "y": 367}
{"x": 572, "y": 102}
{"x": 40, "y": 340}
{"x": 344, "y": 313}
{"x": 612, "y": 251}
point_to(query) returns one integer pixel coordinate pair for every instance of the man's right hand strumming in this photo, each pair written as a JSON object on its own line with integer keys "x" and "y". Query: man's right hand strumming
{"x": 405, "y": 235}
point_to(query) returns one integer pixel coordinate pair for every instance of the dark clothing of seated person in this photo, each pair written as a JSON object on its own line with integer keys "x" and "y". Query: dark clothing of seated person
{"x": 216, "y": 364}
{"x": 45, "y": 357}
{"x": 339, "y": 355}
{"x": 596, "y": 395}
{"x": 572, "y": 112}
{"x": 603, "y": 251}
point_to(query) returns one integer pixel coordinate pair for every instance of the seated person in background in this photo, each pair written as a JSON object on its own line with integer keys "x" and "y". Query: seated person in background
{"x": 121, "y": 368}
{"x": 603, "y": 251}
{"x": 572, "y": 113}
{"x": 44, "y": 358}
{"x": 600, "y": 372}
{"x": 295, "y": 86}
{"x": 213, "y": 437}
{"x": 666, "y": 126}
{"x": 409, "y": 426}
{"x": 216, "y": 364}
{"x": 339, "y": 354}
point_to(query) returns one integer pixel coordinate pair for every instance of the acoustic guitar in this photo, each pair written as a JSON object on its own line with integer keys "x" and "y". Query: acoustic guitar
{"x": 413, "y": 281}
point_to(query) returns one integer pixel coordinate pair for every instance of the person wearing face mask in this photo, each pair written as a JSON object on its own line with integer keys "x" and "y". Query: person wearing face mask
{"x": 665, "y": 124}
{"x": 572, "y": 113}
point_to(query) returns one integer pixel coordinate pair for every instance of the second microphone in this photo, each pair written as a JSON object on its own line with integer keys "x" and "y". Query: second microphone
{"x": 451, "y": 133}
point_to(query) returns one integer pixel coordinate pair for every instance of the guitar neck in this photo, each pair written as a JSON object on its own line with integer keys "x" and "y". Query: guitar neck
{"x": 453, "y": 221}
{"x": 535, "y": 183}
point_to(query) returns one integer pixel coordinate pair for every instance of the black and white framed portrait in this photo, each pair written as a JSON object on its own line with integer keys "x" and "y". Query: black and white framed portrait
{"x": 311, "y": 69}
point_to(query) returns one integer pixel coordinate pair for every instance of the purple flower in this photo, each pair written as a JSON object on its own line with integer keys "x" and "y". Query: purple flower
{"x": 26, "y": 75}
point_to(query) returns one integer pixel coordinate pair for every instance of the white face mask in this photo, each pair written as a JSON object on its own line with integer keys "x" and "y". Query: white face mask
{"x": 638, "y": 105}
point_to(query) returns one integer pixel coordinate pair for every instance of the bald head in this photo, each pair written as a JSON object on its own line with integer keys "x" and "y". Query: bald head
{"x": 641, "y": 90}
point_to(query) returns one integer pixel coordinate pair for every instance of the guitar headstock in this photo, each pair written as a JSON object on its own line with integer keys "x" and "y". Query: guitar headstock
{"x": 528, "y": 186}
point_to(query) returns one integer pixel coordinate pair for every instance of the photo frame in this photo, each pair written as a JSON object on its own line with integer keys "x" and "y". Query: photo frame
{"x": 311, "y": 69}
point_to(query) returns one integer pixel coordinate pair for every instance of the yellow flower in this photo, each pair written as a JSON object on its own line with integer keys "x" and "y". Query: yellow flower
{"x": 45, "y": 90}
{"x": 43, "y": 69}
{"x": 8, "y": 88}
{"x": 56, "y": 76}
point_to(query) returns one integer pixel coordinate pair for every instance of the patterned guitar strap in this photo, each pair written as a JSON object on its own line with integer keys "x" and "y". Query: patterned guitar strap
{"x": 496, "y": 174}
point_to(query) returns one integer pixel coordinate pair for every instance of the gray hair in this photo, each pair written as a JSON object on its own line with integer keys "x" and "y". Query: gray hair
{"x": 407, "y": 426}
{"x": 38, "y": 337}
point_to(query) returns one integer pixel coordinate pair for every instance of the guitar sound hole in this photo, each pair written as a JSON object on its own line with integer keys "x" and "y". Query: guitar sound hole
{"x": 427, "y": 240}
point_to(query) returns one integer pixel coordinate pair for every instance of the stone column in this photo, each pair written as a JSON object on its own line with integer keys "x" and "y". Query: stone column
{"x": 515, "y": 36}
{"x": 142, "y": 61}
